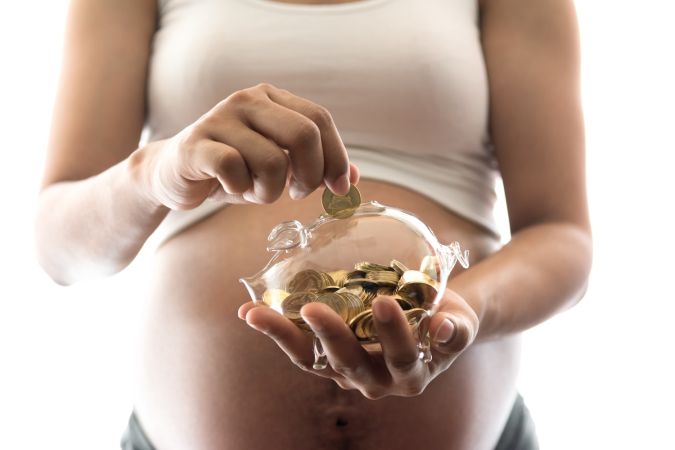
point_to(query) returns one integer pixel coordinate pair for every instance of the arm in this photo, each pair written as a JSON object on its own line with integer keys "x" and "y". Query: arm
{"x": 532, "y": 57}
{"x": 92, "y": 216}
{"x": 536, "y": 122}
{"x": 101, "y": 199}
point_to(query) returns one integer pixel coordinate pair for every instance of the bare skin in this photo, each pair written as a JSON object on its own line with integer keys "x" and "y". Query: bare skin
{"x": 229, "y": 365}
{"x": 209, "y": 380}
{"x": 313, "y": 2}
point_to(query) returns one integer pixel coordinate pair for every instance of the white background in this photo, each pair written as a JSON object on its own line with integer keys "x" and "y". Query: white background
{"x": 598, "y": 376}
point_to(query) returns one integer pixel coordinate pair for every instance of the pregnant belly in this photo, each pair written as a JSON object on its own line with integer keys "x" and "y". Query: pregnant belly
{"x": 208, "y": 381}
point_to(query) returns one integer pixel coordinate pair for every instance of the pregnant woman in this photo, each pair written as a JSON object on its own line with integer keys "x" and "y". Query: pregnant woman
{"x": 250, "y": 109}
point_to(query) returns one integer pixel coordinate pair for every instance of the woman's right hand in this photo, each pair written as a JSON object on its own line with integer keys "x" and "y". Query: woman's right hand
{"x": 247, "y": 149}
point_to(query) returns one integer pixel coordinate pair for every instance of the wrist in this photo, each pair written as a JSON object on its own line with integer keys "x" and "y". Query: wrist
{"x": 471, "y": 297}
{"x": 140, "y": 168}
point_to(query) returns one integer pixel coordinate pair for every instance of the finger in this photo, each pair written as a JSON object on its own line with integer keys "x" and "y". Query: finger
{"x": 354, "y": 173}
{"x": 451, "y": 333}
{"x": 398, "y": 343}
{"x": 246, "y": 307}
{"x": 212, "y": 159}
{"x": 300, "y": 135}
{"x": 454, "y": 324}
{"x": 335, "y": 159}
{"x": 345, "y": 354}
{"x": 267, "y": 163}
{"x": 291, "y": 340}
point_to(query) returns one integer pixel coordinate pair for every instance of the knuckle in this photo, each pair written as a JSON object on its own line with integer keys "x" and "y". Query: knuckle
{"x": 207, "y": 122}
{"x": 412, "y": 389}
{"x": 186, "y": 144}
{"x": 302, "y": 363}
{"x": 343, "y": 384}
{"x": 265, "y": 86}
{"x": 230, "y": 168}
{"x": 402, "y": 364}
{"x": 190, "y": 137}
{"x": 307, "y": 133}
{"x": 229, "y": 163}
{"x": 372, "y": 393}
{"x": 346, "y": 370}
{"x": 240, "y": 97}
{"x": 273, "y": 164}
{"x": 268, "y": 197}
{"x": 320, "y": 115}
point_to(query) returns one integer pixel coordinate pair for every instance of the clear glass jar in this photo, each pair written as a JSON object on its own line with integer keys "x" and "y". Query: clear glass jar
{"x": 347, "y": 262}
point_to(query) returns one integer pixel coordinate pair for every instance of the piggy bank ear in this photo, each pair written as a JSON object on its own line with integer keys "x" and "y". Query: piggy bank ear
{"x": 285, "y": 236}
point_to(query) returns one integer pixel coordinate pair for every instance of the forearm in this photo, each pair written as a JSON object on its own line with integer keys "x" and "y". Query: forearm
{"x": 541, "y": 271}
{"x": 95, "y": 226}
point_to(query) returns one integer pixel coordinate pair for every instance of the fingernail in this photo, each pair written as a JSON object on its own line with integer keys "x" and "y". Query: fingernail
{"x": 342, "y": 185}
{"x": 297, "y": 192}
{"x": 381, "y": 311}
{"x": 445, "y": 331}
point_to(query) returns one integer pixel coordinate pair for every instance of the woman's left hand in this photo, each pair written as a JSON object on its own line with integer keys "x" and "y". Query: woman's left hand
{"x": 397, "y": 370}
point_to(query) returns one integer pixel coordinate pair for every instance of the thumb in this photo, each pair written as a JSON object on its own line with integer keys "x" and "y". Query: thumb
{"x": 451, "y": 333}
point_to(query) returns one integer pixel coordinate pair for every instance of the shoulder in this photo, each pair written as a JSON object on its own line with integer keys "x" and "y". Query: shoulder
{"x": 133, "y": 12}
{"x": 100, "y": 105}
{"x": 546, "y": 28}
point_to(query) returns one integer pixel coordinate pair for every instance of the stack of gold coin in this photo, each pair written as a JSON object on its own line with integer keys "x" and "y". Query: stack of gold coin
{"x": 350, "y": 293}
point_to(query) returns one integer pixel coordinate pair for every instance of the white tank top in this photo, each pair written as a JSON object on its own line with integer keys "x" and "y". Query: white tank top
{"x": 404, "y": 80}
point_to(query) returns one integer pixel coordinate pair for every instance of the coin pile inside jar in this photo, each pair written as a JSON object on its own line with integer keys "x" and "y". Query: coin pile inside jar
{"x": 350, "y": 293}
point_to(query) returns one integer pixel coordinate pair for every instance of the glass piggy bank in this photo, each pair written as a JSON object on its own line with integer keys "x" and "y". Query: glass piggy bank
{"x": 346, "y": 262}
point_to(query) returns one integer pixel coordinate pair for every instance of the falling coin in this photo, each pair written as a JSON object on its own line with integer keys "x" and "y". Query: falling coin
{"x": 341, "y": 206}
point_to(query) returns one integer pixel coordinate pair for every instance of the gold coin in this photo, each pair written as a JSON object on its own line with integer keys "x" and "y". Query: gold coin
{"x": 431, "y": 266}
{"x": 383, "y": 277}
{"x": 417, "y": 287}
{"x": 353, "y": 304}
{"x": 419, "y": 320}
{"x": 326, "y": 280}
{"x": 292, "y": 304}
{"x": 274, "y": 297}
{"x": 415, "y": 315}
{"x": 356, "y": 289}
{"x": 336, "y": 303}
{"x": 306, "y": 280}
{"x": 415, "y": 276}
{"x": 362, "y": 325}
{"x": 355, "y": 274}
{"x": 339, "y": 277}
{"x": 371, "y": 267}
{"x": 300, "y": 323}
{"x": 356, "y": 281}
{"x": 398, "y": 267}
{"x": 404, "y": 303}
{"x": 368, "y": 296}
{"x": 351, "y": 293}
{"x": 341, "y": 206}
{"x": 385, "y": 290}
